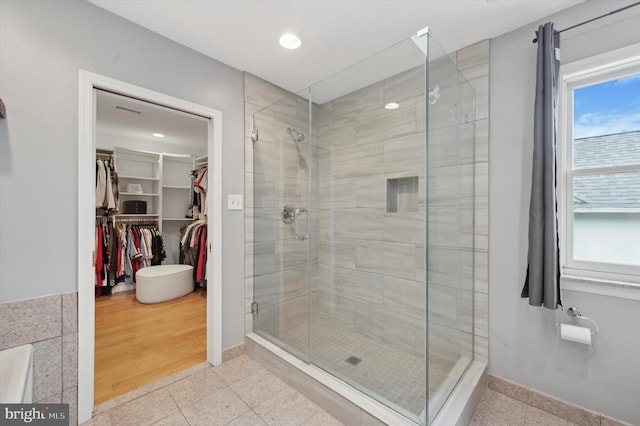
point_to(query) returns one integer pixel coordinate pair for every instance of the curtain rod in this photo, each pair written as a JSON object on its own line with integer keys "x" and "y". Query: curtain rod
{"x": 535, "y": 40}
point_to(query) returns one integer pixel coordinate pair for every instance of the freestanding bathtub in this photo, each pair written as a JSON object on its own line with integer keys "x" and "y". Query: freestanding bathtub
{"x": 155, "y": 284}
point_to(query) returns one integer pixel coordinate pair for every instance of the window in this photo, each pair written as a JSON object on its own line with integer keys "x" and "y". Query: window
{"x": 599, "y": 167}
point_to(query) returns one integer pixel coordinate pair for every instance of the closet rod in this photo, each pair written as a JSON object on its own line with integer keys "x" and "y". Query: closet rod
{"x": 535, "y": 40}
{"x": 148, "y": 221}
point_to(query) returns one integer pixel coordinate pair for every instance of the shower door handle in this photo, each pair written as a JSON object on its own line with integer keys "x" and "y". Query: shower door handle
{"x": 296, "y": 216}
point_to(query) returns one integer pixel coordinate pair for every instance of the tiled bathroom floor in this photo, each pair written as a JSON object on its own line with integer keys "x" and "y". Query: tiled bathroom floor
{"x": 240, "y": 392}
{"x": 243, "y": 393}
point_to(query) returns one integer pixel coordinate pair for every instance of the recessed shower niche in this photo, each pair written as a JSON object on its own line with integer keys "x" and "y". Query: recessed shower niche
{"x": 402, "y": 195}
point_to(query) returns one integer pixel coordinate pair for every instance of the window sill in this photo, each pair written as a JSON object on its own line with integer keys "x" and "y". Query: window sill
{"x": 605, "y": 288}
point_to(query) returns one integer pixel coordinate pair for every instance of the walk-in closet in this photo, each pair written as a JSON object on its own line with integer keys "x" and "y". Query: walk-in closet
{"x": 151, "y": 243}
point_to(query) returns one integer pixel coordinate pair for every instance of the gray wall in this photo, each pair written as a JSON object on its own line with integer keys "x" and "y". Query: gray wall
{"x": 523, "y": 344}
{"x": 43, "y": 45}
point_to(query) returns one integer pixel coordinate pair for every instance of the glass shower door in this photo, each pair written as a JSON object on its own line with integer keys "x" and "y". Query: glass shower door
{"x": 369, "y": 286}
{"x": 281, "y": 173}
{"x": 450, "y": 210}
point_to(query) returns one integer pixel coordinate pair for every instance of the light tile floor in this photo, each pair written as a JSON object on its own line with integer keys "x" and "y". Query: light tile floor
{"x": 240, "y": 393}
{"x": 496, "y": 409}
{"x": 243, "y": 393}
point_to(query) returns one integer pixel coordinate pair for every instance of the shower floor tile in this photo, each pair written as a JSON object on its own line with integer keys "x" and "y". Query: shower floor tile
{"x": 384, "y": 371}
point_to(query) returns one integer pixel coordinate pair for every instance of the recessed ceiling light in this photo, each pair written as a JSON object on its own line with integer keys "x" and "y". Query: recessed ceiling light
{"x": 158, "y": 135}
{"x": 392, "y": 105}
{"x": 290, "y": 41}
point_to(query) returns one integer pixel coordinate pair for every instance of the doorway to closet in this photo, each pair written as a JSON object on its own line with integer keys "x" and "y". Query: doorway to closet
{"x": 148, "y": 214}
{"x": 164, "y": 199}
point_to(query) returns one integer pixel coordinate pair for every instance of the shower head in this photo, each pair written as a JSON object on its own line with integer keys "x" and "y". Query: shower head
{"x": 297, "y": 135}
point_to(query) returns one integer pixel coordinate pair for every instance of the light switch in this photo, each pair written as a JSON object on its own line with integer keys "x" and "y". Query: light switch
{"x": 235, "y": 202}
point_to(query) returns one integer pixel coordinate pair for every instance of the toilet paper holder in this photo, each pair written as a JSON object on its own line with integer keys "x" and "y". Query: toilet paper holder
{"x": 575, "y": 313}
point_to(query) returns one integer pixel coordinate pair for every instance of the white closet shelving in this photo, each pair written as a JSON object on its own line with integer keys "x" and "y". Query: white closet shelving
{"x": 138, "y": 169}
{"x": 165, "y": 182}
{"x": 176, "y": 190}
{"x": 176, "y": 186}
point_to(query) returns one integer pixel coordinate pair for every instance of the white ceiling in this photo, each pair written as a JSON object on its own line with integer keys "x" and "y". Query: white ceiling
{"x": 335, "y": 33}
{"x": 141, "y": 119}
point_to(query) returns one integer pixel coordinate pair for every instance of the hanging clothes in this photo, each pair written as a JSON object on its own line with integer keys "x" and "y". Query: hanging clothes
{"x": 199, "y": 179}
{"x": 99, "y": 267}
{"x": 122, "y": 250}
{"x": 101, "y": 184}
{"x": 193, "y": 249}
{"x": 106, "y": 185}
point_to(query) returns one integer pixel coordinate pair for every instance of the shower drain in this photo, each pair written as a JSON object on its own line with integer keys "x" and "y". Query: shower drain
{"x": 353, "y": 360}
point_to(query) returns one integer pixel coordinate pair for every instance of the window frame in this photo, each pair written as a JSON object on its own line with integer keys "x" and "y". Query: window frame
{"x": 574, "y": 75}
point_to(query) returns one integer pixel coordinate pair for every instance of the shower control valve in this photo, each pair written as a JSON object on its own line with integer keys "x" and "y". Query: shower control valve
{"x": 288, "y": 214}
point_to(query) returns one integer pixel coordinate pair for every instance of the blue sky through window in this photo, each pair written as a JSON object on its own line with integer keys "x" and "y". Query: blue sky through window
{"x": 607, "y": 108}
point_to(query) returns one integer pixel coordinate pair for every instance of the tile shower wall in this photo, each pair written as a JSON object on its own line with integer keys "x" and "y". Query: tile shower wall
{"x": 369, "y": 256}
{"x": 473, "y": 63}
{"x": 369, "y": 261}
{"x": 50, "y": 323}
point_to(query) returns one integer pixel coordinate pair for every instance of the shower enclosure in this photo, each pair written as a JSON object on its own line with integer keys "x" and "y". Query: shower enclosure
{"x": 363, "y": 234}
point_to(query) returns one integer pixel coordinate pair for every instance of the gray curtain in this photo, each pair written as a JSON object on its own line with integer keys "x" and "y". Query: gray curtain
{"x": 542, "y": 284}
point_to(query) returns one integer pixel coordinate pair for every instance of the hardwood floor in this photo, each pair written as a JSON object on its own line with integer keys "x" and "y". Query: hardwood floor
{"x": 136, "y": 344}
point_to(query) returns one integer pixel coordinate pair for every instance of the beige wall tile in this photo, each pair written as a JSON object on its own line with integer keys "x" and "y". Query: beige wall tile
{"x": 473, "y": 61}
{"x": 359, "y": 102}
{"x": 355, "y": 161}
{"x": 443, "y": 305}
{"x": 509, "y": 388}
{"x": 406, "y": 85}
{"x": 70, "y": 396}
{"x": 564, "y": 409}
{"x": 404, "y": 228}
{"x": 481, "y": 314}
{"x": 465, "y": 310}
{"x": 481, "y": 349}
{"x": 443, "y": 147}
{"x": 481, "y": 88}
{"x": 384, "y": 325}
{"x": 405, "y": 154}
{"x": 357, "y": 285}
{"x": 337, "y": 308}
{"x": 405, "y": 297}
{"x": 47, "y": 368}
{"x": 70, "y": 312}
{"x": 19, "y": 325}
{"x": 69, "y": 360}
